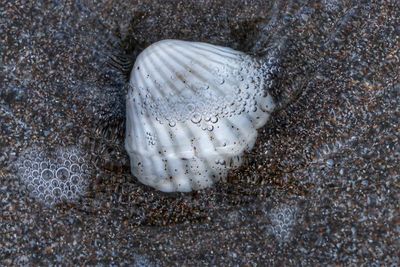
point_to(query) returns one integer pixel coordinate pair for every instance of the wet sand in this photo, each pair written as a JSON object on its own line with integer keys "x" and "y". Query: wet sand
{"x": 321, "y": 186}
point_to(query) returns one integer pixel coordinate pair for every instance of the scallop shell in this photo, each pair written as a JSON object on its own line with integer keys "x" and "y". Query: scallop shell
{"x": 193, "y": 109}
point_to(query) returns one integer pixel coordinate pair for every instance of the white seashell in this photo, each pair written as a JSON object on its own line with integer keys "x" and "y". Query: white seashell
{"x": 193, "y": 109}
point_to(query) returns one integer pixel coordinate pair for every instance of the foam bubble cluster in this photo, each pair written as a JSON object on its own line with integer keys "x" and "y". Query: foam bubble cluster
{"x": 207, "y": 104}
{"x": 282, "y": 220}
{"x": 52, "y": 179}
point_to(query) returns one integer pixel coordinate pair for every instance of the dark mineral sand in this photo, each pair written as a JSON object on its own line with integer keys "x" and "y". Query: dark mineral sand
{"x": 321, "y": 186}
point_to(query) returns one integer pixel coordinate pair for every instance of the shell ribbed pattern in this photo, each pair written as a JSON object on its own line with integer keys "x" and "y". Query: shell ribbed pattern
{"x": 193, "y": 109}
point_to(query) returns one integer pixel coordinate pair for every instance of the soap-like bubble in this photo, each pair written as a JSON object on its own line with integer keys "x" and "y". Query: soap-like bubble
{"x": 196, "y": 118}
{"x": 62, "y": 174}
{"x": 46, "y": 174}
{"x": 283, "y": 220}
{"x": 53, "y": 178}
{"x": 75, "y": 168}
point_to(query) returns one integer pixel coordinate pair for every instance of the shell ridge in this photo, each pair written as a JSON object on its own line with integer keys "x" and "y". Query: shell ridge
{"x": 215, "y": 138}
{"x": 190, "y": 132}
{"x": 158, "y": 88}
{"x": 197, "y": 75}
{"x": 189, "y": 66}
{"x": 152, "y": 157}
{"x": 156, "y": 170}
{"x": 190, "y": 87}
{"x": 177, "y": 90}
{"x": 250, "y": 119}
{"x": 199, "y": 52}
{"x": 171, "y": 181}
{"x": 206, "y": 69}
{"x": 137, "y": 135}
{"x": 228, "y": 134}
{"x": 166, "y": 63}
{"x": 165, "y": 77}
{"x": 146, "y": 121}
{"x": 197, "y": 159}
{"x": 174, "y": 176}
{"x": 189, "y": 162}
{"x": 207, "y": 168}
{"x": 218, "y": 47}
{"x": 242, "y": 136}
{"x": 159, "y": 133}
{"x": 211, "y": 49}
{"x": 148, "y": 81}
{"x": 227, "y": 81}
